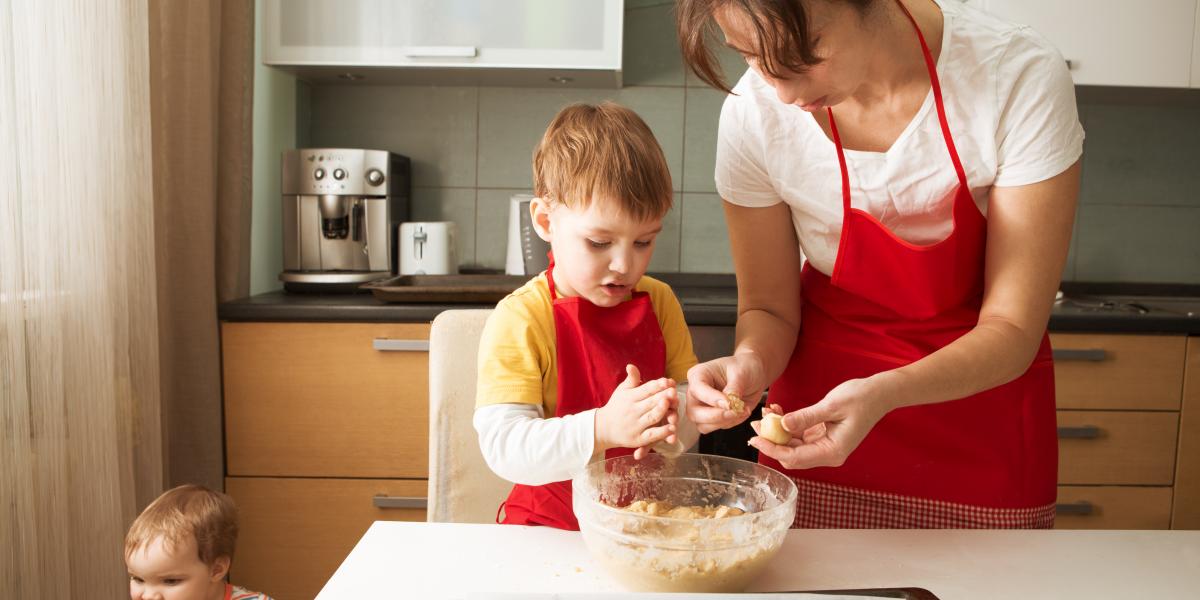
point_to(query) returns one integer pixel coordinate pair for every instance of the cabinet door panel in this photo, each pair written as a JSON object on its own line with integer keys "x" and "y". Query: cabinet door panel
{"x": 1116, "y": 507}
{"x": 1196, "y": 51}
{"x": 1116, "y": 448}
{"x": 1113, "y": 42}
{"x": 504, "y": 34}
{"x": 319, "y": 400}
{"x": 1186, "y": 508}
{"x": 296, "y": 532}
{"x": 1104, "y": 371}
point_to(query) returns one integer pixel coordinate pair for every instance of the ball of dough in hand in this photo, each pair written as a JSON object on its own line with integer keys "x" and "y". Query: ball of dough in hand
{"x": 771, "y": 428}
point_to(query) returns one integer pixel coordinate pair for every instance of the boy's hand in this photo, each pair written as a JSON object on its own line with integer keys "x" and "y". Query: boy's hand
{"x": 638, "y": 414}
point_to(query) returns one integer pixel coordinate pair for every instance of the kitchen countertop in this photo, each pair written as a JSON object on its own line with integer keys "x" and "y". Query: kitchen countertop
{"x": 445, "y": 560}
{"x": 711, "y": 299}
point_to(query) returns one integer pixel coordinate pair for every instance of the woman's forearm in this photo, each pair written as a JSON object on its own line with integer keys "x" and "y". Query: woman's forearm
{"x": 1029, "y": 230}
{"x": 991, "y": 354}
{"x": 769, "y": 337}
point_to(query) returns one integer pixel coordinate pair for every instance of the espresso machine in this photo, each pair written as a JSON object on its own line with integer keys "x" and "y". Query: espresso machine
{"x": 342, "y": 208}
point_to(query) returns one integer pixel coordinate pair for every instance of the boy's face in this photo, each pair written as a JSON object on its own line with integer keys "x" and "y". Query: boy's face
{"x": 158, "y": 574}
{"x": 599, "y": 252}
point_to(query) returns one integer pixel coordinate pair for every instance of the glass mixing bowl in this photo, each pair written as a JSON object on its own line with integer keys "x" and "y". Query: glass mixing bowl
{"x": 662, "y": 554}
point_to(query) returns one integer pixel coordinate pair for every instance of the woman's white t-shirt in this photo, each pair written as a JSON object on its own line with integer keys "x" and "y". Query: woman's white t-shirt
{"x": 1011, "y": 108}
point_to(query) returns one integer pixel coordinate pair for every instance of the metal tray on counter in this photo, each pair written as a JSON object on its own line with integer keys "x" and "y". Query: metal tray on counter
{"x": 464, "y": 289}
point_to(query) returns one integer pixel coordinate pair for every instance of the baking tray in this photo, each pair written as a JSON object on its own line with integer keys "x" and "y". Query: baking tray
{"x": 465, "y": 289}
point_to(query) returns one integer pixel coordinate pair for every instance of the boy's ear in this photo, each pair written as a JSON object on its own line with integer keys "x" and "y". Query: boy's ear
{"x": 539, "y": 212}
{"x": 220, "y": 568}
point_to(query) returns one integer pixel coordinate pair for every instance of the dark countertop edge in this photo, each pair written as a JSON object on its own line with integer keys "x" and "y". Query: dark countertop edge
{"x": 1124, "y": 324}
{"x": 1100, "y": 288}
{"x": 363, "y": 308}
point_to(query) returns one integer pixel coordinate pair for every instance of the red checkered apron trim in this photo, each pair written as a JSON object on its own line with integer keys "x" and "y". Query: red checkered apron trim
{"x": 826, "y": 506}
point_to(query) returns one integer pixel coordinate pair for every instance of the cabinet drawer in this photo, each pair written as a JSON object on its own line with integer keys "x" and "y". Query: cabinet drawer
{"x": 1118, "y": 448}
{"x": 319, "y": 400}
{"x": 1100, "y": 507}
{"x": 1139, "y": 372}
{"x": 296, "y": 532}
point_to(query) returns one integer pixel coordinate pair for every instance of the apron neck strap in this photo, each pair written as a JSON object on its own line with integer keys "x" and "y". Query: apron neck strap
{"x": 550, "y": 276}
{"x": 930, "y": 66}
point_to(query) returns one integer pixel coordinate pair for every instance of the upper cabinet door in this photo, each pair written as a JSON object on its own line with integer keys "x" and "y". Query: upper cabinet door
{"x": 1113, "y": 42}
{"x": 1196, "y": 52}
{"x": 577, "y": 34}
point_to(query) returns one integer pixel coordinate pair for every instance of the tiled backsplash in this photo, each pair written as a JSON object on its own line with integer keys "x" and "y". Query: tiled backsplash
{"x": 1139, "y": 216}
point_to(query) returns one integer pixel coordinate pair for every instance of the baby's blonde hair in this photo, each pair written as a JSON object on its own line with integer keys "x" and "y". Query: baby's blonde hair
{"x": 209, "y": 517}
{"x": 605, "y": 152}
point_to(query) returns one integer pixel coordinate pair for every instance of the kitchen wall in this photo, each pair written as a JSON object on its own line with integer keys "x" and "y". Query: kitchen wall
{"x": 275, "y": 125}
{"x": 1139, "y": 219}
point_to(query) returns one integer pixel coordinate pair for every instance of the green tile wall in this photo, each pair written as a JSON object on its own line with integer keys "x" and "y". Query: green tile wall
{"x": 1139, "y": 216}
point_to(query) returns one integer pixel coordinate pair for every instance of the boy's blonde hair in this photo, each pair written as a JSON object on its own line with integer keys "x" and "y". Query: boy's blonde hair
{"x": 210, "y": 517}
{"x": 603, "y": 152}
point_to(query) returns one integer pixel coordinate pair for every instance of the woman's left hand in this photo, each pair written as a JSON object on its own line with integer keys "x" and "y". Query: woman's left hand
{"x": 824, "y": 434}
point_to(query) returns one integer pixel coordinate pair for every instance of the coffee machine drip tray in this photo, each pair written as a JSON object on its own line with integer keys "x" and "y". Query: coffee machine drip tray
{"x": 346, "y": 282}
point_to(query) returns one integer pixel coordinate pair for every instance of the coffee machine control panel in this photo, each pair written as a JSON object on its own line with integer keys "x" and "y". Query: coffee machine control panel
{"x": 337, "y": 171}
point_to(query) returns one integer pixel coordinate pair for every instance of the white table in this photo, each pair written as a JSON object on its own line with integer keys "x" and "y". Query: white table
{"x": 445, "y": 560}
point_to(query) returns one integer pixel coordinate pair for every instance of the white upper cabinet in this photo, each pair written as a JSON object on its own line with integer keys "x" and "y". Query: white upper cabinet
{"x": 551, "y": 42}
{"x": 1196, "y": 52}
{"x": 1114, "y": 42}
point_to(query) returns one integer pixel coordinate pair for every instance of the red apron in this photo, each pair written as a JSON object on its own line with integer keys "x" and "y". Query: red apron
{"x": 593, "y": 345}
{"x": 989, "y": 460}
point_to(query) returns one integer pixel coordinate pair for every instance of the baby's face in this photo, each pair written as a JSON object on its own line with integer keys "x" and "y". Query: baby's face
{"x": 159, "y": 573}
{"x": 600, "y": 254}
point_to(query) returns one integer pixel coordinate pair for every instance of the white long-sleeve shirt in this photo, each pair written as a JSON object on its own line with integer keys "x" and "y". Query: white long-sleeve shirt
{"x": 523, "y": 446}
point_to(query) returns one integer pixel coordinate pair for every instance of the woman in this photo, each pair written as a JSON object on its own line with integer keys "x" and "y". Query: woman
{"x": 921, "y": 159}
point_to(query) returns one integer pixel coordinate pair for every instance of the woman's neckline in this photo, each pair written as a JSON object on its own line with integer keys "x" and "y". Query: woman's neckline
{"x": 927, "y": 104}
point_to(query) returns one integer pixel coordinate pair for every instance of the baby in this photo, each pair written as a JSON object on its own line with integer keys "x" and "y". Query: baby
{"x": 181, "y": 547}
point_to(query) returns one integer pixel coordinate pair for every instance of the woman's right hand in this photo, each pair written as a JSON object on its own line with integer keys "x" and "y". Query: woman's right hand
{"x": 711, "y": 383}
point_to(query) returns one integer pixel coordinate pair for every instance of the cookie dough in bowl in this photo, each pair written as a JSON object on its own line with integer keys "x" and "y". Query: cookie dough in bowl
{"x": 695, "y": 523}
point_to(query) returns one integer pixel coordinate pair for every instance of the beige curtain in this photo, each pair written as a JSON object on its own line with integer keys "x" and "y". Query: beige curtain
{"x": 124, "y": 220}
{"x": 201, "y": 90}
{"x": 80, "y": 428}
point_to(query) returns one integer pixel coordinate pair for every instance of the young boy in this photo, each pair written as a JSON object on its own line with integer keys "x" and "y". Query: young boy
{"x": 181, "y": 546}
{"x": 580, "y": 363}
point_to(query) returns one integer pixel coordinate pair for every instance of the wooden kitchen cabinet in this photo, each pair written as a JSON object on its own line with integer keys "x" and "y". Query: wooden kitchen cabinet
{"x": 326, "y": 431}
{"x": 320, "y": 400}
{"x": 1118, "y": 372}
{"x": 296, "y": 532}
{"x": 1113, "y": 507}
{"x": 1123, "y": 431}
{"x": 1119, "y": 448}
{"x": 1185, "y": 511}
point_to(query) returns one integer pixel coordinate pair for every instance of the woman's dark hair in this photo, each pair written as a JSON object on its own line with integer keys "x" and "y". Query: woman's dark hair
{"x": 784, "y": 42}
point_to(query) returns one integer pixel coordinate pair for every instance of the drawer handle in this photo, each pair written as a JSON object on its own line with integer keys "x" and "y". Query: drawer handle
{"x": 381, "y": 501}
{"x": 1083, "y": 432}
{"x": 1083, "y": 354}
{"x": 1082, "y": 508}
{"x": 390, "y": 345}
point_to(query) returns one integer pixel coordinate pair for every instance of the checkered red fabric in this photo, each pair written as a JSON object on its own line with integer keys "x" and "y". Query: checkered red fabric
{"x": 826, "y": 506}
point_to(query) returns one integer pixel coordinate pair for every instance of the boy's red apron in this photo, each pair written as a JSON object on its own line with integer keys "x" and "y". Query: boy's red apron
{"x": 989, "y": 460}
{"x": 593, "y": 345}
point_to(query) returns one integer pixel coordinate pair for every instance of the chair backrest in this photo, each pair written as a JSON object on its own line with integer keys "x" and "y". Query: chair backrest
{"x": 462, "y": 488}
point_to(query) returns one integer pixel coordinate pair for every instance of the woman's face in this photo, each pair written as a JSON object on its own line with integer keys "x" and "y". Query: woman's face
{"x": 843, "y": 42}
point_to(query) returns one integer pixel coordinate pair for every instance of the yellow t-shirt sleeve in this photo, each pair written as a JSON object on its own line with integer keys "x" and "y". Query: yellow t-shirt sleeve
{"x": 678, "y": 340}
{"x": 513, "y": 357}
